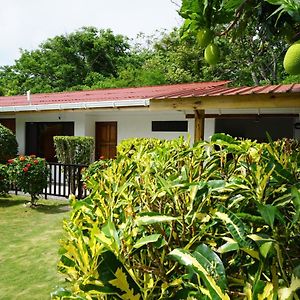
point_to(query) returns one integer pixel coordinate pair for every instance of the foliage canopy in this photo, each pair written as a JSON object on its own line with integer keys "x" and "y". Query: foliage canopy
{"x": 219, "y": 220}
{"x": 90, "y": 59}
{"x": 262, "y": 20}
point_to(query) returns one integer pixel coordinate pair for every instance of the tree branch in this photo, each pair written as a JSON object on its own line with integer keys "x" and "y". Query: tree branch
{"x": 238, "y": 15}
{"x": 173, "y": 1}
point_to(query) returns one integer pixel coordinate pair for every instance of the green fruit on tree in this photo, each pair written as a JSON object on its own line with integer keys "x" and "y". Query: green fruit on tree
{"x": 212, "y": 54}
{"x": 204, "y": 37}
{"x": 291, "y": 62}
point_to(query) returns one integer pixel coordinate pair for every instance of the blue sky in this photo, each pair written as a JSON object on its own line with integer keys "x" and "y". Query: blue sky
{"x": 27, "y": 23}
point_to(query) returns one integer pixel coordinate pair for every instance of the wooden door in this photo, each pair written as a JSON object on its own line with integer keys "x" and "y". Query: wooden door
{"x": 106, "y": 140}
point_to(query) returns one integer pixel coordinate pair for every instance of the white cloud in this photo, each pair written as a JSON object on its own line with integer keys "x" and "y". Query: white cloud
{"x": 27, "y": 23}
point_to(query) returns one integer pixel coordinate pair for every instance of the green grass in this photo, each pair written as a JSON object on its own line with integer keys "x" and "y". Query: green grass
{"x": 29, "y": 247}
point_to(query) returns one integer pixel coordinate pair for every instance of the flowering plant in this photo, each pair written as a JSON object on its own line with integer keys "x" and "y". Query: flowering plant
{"x": 30, "y": 174}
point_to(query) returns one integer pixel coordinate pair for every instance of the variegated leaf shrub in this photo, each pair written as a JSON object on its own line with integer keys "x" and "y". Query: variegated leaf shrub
{"x": 219, "y": 220}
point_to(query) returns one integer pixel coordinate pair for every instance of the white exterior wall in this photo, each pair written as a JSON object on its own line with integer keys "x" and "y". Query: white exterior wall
{"x": 139, "y": 123}
{"x": 76, "y": 117}
{"x": 131, "y": 123}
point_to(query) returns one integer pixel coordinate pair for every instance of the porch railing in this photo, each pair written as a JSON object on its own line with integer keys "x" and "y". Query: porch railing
{"x": 64, "y": 179}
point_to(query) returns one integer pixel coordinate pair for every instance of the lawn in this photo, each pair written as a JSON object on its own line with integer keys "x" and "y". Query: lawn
{"x": 29, "y": 247}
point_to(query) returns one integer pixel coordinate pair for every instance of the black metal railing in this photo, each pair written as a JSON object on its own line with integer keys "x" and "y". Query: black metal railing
{"x": 63, "y": 180}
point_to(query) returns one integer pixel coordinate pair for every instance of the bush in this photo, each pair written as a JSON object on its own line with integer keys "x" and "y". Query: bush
{"x": 4, "y": 180}
{"x": 74, "y": 149}
{"x": 8, "y": 144}
{"x": 219, "y": 220}
{"x": 30, "y": 174}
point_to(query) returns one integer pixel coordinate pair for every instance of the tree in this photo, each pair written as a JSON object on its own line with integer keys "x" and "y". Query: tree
{"x": 181, "y": 60}
{"x": 263, "y": 20}
{"x": 65, "y": 61}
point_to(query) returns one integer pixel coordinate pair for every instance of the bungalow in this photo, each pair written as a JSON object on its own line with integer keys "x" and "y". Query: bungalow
{"x": 110, "y": 115}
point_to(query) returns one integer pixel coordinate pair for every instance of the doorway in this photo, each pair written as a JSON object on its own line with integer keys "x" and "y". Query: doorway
{"x": 9, "y": 123}
{"x": 39, "y": 137}
{"x": 106, "y": 140}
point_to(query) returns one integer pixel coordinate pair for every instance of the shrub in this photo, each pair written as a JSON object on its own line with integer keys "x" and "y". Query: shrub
{"x": 30, "y": 174}
{"x": 219, "y": 220}
{"x": 74, "y": 149}
{"x": 4, "y": 180}
{"x": 8, "y": 144}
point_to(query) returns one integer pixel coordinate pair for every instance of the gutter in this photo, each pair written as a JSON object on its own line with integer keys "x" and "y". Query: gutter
{"x": 79, "y": 105}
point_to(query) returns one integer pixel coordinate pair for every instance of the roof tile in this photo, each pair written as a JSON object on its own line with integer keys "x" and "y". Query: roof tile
{"x": 185, "y": 90}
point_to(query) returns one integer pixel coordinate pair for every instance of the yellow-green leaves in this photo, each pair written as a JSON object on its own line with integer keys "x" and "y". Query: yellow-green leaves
{"x": 152, "y": 218}
{"x": 287, "y": 292}
{"x": 153, "y": 238}
{"x": 201, "y": 266}
{"x": 164, "y": 220}
{"x": 121, "y": 283}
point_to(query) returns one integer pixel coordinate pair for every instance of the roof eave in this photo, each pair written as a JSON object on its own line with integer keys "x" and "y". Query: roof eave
{"x": 256, "y": 101}
{"x": 77, "y": 106}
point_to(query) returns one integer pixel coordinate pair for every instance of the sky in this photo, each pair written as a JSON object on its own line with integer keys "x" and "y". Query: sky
{"x": 26, "y": 24}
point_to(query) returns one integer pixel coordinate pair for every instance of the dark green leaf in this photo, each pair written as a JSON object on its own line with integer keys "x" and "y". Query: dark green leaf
{"x": 212, "y": 262}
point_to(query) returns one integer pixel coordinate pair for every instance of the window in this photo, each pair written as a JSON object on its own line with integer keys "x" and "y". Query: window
{"x": 171, "y": 126}
{"x": 256, "y": 128}
{"x": 39, "y": 137}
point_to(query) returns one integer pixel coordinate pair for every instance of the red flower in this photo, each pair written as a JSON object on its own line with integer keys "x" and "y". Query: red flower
{"x": 28, "y": 165}
{"x": 22, "y": 158}
{"x": 25, "y": 169}
{"x": 101, "y": 157}
{"x": 35, "y": 161}
{"x": 10, "y": 161}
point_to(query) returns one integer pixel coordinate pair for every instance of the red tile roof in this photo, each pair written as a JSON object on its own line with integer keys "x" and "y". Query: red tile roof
{"x": 223, "y": 90}
{"x": 112, "y": 94}
{"x": 134, "y": 96}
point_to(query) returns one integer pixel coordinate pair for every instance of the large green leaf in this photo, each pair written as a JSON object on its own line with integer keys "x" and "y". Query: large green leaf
{"x": 152, "y": 218}
{"x": 282, "y": 174}
{"x": 222, "y": 137}
{"x": 153, "y": 238}
{"x": 237, "y": 230}
{"x": 114, "y": 279}
{"x": 230, "y": 245}
{"x": 187, "y": 259}
{"x": 109, "y": 237}
{"x": 264, "y": 242}
{"x": 212, "y": 262}
{"x": 268, "y": 213}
